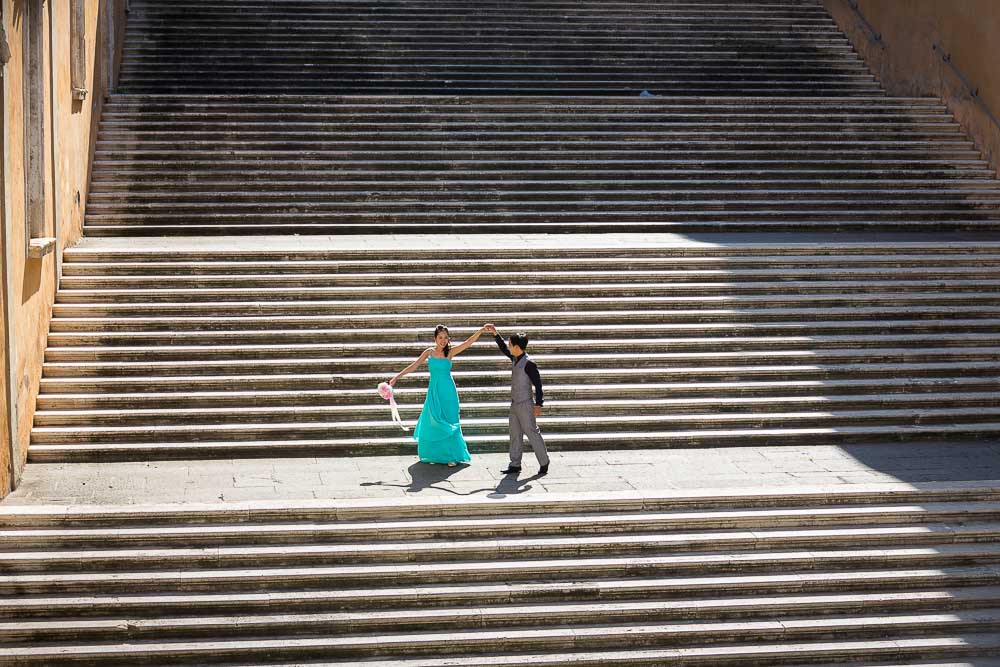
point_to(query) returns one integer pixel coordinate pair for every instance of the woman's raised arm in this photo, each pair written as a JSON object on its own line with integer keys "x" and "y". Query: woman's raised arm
{"x": 463, "y": 346}
{"x": 412, "y": 367}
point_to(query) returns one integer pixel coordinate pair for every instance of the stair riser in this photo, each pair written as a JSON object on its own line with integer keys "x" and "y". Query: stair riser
{"x": 464, "y": 622}
{"x": 306, "y": 399}
{"x": 641, "y": 293}
{"x": 324, "y": 382}
{"x": 655, "y": 308}
{"x": 566, "y": 527}
{"x": 495, "y": 426}
{"x": 562, "y": 642}
{"x": 565, "y": 270}
{"x": 375, "y": 600}
{"x": 891, "y": 434}
{"x": 323, "y": 579}
{"x": 389, "y": 552}
{"x": 352, "y": 367}
{"x": 410, "y": 413}
{"x": 105, "y": 355}
{"x": 96, "y": 230}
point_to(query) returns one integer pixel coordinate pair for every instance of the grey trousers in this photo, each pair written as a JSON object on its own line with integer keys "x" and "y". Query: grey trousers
{"x": 522, "y": 423}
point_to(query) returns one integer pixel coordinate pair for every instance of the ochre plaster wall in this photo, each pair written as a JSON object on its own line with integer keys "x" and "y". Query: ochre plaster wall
{"x": 907, "y": 65}
{"x": 67, "y": 175}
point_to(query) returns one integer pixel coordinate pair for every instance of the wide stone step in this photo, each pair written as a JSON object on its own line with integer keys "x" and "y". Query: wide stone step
{"x": 681, "y": 333}
{"x": 634, "y": 291}
{"x": 323, "y": 18}
{"x": 568, "y": 639}
{"x": 345, "y": 531}
{"x": 839, "y": 169}
{"x": 952, "y": 430}
{"x": 512, "y": 78}
{"x": 839, "y": 173}
{"x": 720, "y": 105}
{"x": 609, "y": 151}
{"x": 495, "y": 427}
{"x": 501, "y": 617}
{"x": 180, "y": 112}
{"x": 253, "y": 226}
{"x": 148, "y": 60}
{"x": 567, "y": 269}
{"x": 274, "y": 184}
{"x": 510, "y": 548}
{"x": 611, "y": 85}
{"x": 620, "y": 191}
{"x": 152, "y": 288}
{"x": 268, "y": 578}
{"x": 593, "y": 363}
{"x": 318, "y": 136}
{"x": 147, "y": 57}
{"x": 884, "y": 315}
{"x": 557, "y": 407}
{"x": 550, "y": 217}
{"x": 927, "y": 583}
{"x": 789, "y": 271}
{"x": 444, "y": 192}
{"x": 620, "y": 377}
{"x": 851, "y": 164}
{"x": 431, "y": 107}
{"x": 872, "y": 653}
{"x": 236, "y": 349}
{"x": 630, "y": 207}
{"x": 674, "y": 266}
{"x": 35, "y": 515}
{"x": 213, "y": 114}
{"x": 629, "y": 305}
{"x": 812, "y": 390}
{"x": 586, "y": 249}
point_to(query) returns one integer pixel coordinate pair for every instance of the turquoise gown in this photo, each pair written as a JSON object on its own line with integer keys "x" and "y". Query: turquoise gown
{"x": 438, "y": 433}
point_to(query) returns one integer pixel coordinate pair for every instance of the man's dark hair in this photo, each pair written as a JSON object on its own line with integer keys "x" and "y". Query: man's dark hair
{"x": 519, "y": 339}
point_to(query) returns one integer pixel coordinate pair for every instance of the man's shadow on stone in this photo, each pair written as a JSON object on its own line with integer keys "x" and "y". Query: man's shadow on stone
{"x": 427, "y": 475}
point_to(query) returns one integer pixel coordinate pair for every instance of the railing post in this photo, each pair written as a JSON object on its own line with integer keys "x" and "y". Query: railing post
{"x": 875, "y": 37}
{"x": 973, "y": 92}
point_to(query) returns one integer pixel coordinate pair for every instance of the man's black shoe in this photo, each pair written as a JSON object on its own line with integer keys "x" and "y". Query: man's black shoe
{"x": 544, "y": 470}
{"x": 511, "y": 470}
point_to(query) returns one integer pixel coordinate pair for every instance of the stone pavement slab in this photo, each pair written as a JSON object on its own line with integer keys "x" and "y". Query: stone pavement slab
{"x": 382, "y": 477}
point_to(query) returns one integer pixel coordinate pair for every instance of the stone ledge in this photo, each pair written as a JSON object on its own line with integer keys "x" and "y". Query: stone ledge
{"x": 40, "y": 247}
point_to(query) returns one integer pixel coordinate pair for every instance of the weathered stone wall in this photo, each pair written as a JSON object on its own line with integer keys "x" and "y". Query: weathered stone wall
{"x": 907, "y": 64}
{"x": 70, "y": 132}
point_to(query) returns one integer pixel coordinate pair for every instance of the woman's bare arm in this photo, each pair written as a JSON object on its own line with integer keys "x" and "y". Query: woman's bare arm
{"x": 412, "y": 367}
{"x": 463, "y": 346}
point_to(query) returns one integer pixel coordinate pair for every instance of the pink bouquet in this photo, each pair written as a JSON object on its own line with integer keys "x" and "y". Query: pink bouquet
{"x": 385, "y": 391}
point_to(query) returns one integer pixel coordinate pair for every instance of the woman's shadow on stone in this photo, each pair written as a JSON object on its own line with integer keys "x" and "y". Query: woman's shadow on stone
{"x": 430, "y": 476}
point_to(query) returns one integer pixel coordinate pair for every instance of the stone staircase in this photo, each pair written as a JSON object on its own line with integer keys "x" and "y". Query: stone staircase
{"x": 210, "y": 350}
{"x": 183, "y": 165}
{"x": 417, "y": 116}
{"x": 239, "y": 119}
{"x": 520, "y": 47}
{"x": 891, "y": 574}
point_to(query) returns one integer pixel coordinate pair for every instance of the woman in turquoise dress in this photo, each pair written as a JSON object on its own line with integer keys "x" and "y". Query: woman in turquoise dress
{"x": 438, "y": 432}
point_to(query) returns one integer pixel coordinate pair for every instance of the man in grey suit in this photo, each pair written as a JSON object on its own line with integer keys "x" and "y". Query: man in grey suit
{"x": 523, "y": 412}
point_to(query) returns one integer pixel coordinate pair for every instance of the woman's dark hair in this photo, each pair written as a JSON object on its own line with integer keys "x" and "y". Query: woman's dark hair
{"x": 438, "y": 329}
